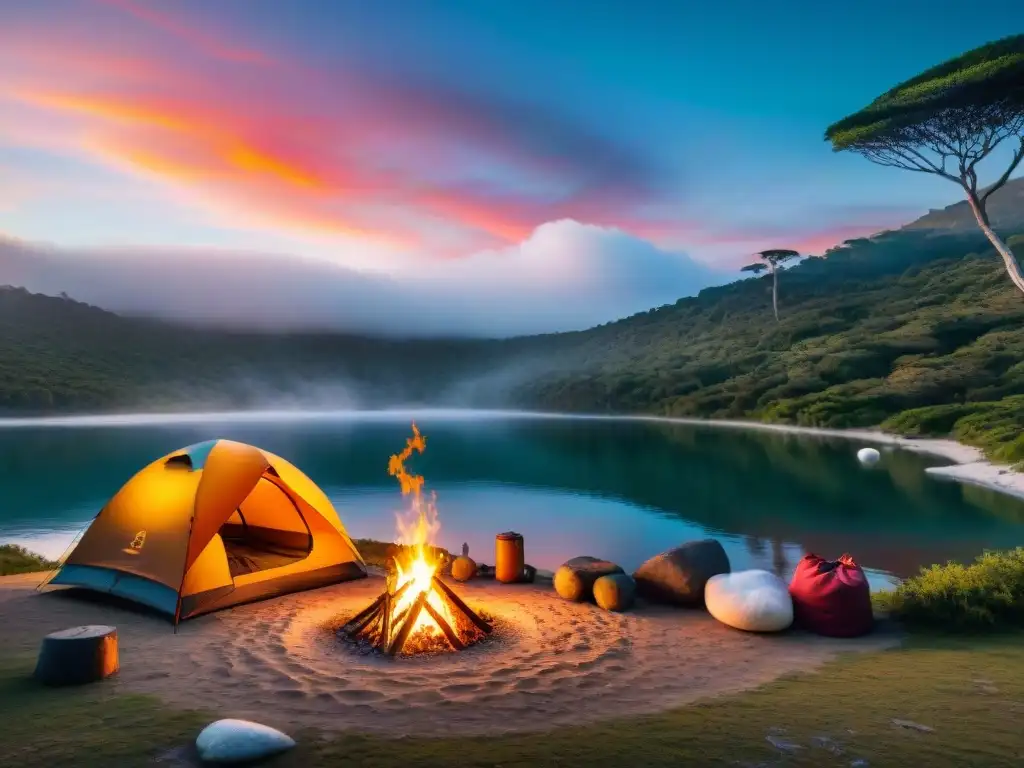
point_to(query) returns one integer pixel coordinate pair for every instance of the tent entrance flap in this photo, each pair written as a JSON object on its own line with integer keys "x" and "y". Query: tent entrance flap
{"x": 266, "y": 531}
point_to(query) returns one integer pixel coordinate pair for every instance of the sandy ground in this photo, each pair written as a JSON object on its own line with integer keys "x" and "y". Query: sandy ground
{"x": 553, "y": 664}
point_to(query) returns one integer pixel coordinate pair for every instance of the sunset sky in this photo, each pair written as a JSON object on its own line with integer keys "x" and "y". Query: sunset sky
{"x": 455, "y": 157}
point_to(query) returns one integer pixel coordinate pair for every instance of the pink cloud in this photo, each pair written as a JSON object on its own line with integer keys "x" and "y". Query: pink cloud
{"x": 334, "y": 151}
{"x": 191, "y": 32}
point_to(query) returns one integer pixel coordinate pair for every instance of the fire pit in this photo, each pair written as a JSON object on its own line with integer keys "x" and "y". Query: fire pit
{"x": 416, "y": 611}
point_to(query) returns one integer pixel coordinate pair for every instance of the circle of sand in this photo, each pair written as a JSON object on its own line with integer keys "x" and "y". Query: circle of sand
{"x": 553, "y": 663}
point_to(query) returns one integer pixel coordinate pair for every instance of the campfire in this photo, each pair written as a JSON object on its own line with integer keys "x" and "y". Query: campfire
{"x": 417, "y": 611}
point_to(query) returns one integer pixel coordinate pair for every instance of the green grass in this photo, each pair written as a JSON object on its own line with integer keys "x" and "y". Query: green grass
{"x": 995, "y": 427}
{"x": 987, "y": 594}
{"x": 971, "y": 693}
{"x": 15, "y": 559}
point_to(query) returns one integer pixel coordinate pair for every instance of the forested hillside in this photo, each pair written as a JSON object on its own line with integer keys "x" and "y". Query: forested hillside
{"x": 867, "y": 334}
{"x": 872, "y": 332}
{"x": 57, "y": 354}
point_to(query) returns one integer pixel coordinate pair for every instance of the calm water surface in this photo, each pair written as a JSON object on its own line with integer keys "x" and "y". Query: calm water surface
{"x": 616, "y": 489}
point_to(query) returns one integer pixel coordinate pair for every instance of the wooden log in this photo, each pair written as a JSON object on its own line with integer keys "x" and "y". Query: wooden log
{"x": 403, "y": 633}
{"x": 361, "y": 619}
{"x": 401, "y": 591}
{"x": 367, "y": 619}
{"x": 385, "y": 627}
{"x": 78, "y": 655}
{"x": 482, "y": 625}
{"x": 449, "y": 633}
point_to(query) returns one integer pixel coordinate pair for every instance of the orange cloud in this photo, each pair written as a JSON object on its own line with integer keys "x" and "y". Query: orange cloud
{"x": 335, "y": 151}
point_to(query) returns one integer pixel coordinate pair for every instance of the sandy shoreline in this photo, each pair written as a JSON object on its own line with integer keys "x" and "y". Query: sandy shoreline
{"x": 969, "y": 464}
{"x": 554, "y": 663}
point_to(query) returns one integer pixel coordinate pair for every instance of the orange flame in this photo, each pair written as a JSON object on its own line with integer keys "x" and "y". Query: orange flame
{"x": 417, "y": 528}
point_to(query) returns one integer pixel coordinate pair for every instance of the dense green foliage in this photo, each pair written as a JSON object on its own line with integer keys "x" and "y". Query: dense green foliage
{"x": 873, "y": 332}
{"x": 905, "y": 320}
{"x": 988, "y": 593}
{"x": 15, "y": 559}
{"x": 998, "y": 427}
{"x": 962, "y": 90}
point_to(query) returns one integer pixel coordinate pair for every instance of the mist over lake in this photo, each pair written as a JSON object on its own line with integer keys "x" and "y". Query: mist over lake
{"x": 619, "y": 489}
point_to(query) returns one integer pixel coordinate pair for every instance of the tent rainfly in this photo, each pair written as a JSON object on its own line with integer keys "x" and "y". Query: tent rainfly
{"x": 213, "y": 525}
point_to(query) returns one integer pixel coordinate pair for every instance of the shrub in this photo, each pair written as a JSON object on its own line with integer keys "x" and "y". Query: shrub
{"x": 987, "y": 594}
{"x": 15, "y": 559}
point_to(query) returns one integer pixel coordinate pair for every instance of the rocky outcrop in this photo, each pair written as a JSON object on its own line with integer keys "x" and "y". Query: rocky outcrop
{"x": 678, "y": 576}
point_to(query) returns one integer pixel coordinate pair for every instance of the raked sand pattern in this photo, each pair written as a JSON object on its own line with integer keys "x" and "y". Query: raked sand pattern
{"x": 552, "y": 663}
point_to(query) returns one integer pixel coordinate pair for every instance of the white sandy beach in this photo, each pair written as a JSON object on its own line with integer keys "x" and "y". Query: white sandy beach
{"x": 552, "y": 664}
{"x": 969, "y": 464}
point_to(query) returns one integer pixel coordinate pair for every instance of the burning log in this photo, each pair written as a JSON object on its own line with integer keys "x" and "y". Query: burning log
{"x": 482, "y": 625}
{"x": 366, "y": 616}
{"x": 390, "y": 630}
{"x": 403, "y": 634}
{"x": 449, "y": 633}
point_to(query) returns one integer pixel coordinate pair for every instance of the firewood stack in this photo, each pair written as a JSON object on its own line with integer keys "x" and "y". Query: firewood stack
{"x": 391, "y": 633}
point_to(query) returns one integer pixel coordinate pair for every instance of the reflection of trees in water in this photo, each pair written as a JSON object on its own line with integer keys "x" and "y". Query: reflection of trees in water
{"x": 772, "y": 487}
{"x": 780, "y": 566}
{"x": 755, "y": 547}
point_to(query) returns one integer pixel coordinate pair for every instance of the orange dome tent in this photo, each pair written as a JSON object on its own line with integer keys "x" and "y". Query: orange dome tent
{"x": 209, "y": 526}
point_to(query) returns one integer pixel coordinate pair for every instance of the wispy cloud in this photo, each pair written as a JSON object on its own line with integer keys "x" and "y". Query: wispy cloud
{"x": 192, "y": 33}
{"x": 565, "y": 276}
{"x": 404, "y": 160}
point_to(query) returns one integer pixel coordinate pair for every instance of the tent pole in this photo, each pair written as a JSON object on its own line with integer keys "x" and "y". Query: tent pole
{"x": 67, "y": 552}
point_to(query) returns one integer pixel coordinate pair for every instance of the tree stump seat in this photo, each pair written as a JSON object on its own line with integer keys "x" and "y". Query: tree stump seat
{"x": 78, "y": 655}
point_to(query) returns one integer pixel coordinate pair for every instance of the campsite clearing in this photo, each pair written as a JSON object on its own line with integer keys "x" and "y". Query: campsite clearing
{"x": 969, "y": 691}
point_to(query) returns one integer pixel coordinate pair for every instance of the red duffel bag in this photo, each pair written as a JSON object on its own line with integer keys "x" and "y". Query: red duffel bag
{"x": 831, "y": 597}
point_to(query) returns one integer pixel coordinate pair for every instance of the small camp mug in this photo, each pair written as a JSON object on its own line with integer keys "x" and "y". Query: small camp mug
{"x": 509, "y": 557}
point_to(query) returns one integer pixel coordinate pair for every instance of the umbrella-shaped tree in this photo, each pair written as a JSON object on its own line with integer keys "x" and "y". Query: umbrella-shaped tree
{"x": 772, "y": 261}
{"x": 945, "y": 122}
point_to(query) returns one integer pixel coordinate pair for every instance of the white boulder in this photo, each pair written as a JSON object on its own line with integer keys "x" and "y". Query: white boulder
{"x": 868, "y": 456}
{"x": 239, "y": 741}
{"x": 754, "y": 601}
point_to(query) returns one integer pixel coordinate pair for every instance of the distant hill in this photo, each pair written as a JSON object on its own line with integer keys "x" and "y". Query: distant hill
{"x": 873, "y": 332}
{"x": 60, "y": 355}
{"x": 1005, "y": 209}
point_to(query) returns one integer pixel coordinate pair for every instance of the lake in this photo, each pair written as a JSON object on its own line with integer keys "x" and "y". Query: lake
{"x": 623, "y": 490}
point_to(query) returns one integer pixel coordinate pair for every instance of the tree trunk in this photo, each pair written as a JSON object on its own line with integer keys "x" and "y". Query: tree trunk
{"x": 1012, "y": 267}
{"x": 775, "y": 292}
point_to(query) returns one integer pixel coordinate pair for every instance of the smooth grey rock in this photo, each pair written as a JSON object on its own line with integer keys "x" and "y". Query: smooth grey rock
{"x": 678, "y": 576}
{"x": 239, "y": 741}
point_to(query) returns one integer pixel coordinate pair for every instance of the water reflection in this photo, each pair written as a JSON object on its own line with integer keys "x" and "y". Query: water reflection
{"x": 618, "y": 489}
